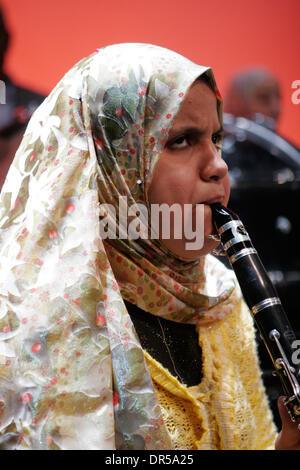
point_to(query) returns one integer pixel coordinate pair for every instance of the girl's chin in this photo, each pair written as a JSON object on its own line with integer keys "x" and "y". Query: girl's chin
{"x": 187, "y": 249}
{"x": 180, "y": 250}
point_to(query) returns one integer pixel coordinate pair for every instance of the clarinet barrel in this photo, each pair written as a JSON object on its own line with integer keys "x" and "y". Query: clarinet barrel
{"x": 262, "y": 299}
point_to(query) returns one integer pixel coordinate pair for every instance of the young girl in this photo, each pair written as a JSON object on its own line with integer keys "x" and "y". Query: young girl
{"x": 111, "y": 340}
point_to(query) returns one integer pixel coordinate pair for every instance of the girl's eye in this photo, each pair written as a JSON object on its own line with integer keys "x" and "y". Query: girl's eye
{"x": 180, "y": 143}
{"x": 217, "y": 140}
{"x": 188, "y": 140}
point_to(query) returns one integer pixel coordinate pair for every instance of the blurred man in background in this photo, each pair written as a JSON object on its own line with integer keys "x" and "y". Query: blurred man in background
{"x": 254, "y": 91}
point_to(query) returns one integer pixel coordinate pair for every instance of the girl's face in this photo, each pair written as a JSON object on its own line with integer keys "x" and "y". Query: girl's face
{"x": 190, "y": 169}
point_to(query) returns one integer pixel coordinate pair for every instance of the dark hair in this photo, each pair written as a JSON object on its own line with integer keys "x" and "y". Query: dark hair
{"x": 205, "y": 78}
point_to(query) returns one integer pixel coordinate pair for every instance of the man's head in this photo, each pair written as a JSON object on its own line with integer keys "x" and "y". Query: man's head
{"x": 254, "y": 91}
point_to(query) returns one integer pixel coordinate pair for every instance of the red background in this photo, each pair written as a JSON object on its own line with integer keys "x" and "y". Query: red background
{"x": 48, "y": 37}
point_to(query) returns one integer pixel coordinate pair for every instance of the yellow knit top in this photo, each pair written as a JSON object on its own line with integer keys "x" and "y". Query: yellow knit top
{"x": 228, "y": 410}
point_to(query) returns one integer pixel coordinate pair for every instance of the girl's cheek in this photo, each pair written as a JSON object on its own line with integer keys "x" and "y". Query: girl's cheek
{"x": 226, "y": 185}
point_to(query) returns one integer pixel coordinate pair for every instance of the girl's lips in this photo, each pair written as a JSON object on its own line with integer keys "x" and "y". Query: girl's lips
{"x": 219, "y": 199}
{"x": 213, "y": 230}
{"x": 208, "y": 222}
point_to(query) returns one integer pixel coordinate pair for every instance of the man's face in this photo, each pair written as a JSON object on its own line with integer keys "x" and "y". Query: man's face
{"x": 264, "y": 98}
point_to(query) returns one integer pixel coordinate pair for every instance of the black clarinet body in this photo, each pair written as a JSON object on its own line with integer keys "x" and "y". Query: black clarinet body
{"x": 262, "y": 299}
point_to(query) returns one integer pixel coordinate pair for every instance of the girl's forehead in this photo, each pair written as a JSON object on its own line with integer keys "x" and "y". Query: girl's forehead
{"x": 199, "y": 105}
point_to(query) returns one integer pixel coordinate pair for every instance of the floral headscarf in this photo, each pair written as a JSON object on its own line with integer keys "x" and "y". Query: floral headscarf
{"x": 73, "y": 374}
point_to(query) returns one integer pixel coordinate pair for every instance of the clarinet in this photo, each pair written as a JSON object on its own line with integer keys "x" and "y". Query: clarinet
{"x": 262, "y": 299}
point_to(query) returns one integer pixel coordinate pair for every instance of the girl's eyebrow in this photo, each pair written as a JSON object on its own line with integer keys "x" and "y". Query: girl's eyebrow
{"x": 184, "y": 131}
{"x": 197, "y": 131}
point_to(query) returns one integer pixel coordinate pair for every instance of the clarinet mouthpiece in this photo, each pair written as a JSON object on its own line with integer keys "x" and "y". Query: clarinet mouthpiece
{"x": 222, "y": 215}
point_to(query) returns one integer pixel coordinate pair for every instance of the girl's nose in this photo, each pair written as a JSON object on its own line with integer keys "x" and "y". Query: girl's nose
{"x": 215, "y": 168}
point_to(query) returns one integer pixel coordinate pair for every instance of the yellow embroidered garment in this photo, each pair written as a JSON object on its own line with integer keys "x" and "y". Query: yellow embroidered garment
{"x": 229, "y": 409}
{"x": 73, "y": 373}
